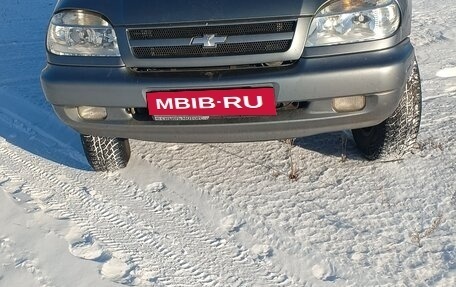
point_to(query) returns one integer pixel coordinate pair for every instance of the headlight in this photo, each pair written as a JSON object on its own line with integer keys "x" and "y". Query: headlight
{"x": 350, "y": 21}
{"x": 79, "y": 33}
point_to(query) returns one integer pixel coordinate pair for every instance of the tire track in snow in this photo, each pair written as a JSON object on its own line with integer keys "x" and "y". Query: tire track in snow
{"x": 309, "y": 219}
{"x": 212, "y": 176}
{"x": 93, "y": 222}
{"x": 223, "y": 168}
{"x": 125, "y": 230}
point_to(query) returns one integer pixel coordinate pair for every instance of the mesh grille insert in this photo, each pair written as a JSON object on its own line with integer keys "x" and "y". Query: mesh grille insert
{"x": 220, "y": 50}
{"x": 226, "y": 30}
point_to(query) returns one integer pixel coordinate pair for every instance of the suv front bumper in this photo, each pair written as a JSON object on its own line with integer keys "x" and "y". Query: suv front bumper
{"x": 378, "y": 75}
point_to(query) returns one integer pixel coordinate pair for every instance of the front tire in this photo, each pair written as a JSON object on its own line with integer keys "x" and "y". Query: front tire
{"x": 106, "y": 154}
{"x": 398, "y": 133}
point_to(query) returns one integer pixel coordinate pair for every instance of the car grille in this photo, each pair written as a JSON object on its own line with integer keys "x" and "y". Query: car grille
{"x": 220, "y": 50}
{"x": 239, "y": 39}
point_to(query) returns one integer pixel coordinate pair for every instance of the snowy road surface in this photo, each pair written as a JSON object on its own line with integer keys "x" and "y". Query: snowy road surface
{"x": 224, "y": 214}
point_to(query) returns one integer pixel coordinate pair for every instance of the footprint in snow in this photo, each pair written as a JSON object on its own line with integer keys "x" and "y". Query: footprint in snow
{"x": 261, "y": 251}
{"x": 118, "y": 270}
{"x": 155, "y": 187}
{"x": 115, "y": 267}
{"x": 84, "y": 246}
{"x": 231, "y": 223}
{"x": 324, "y": 271}
{"x": 16, "y": 191}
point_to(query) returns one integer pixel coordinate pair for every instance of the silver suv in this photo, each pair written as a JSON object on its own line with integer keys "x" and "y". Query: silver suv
{"x": 231, "y": 71}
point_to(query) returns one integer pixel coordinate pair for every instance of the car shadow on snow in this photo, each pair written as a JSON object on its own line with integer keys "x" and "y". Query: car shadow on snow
{"x": 37, "y": 130}
{"x": 337, "y": 144}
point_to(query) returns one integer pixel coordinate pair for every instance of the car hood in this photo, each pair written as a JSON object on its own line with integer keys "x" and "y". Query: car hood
{"x": 139, "y": 12}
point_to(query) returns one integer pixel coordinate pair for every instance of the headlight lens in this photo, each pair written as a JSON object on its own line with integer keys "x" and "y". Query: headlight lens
{"x": 79, "y": 33}
{"x": 350, "y": 21}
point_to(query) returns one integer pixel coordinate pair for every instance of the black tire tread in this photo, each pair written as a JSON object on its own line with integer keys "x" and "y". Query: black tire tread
{"x": 398, "y": 133}
{"x": 106, "y": 154}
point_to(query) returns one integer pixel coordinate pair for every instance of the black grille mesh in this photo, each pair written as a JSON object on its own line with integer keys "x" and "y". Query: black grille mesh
{"x": 220, "y": 50}
{"x": 225, "y": 30}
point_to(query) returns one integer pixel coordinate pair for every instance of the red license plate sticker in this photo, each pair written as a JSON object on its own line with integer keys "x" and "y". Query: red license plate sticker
{"x": 217, "y": 102}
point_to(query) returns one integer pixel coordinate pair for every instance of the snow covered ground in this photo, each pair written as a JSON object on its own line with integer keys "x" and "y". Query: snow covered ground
{"x": 224, "y": 214}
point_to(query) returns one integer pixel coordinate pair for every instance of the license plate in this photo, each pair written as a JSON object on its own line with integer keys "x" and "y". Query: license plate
{"x": 214, "y": 102}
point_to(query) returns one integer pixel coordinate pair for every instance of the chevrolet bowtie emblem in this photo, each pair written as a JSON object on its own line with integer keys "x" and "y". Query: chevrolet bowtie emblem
{"x": 208, "y": 41}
